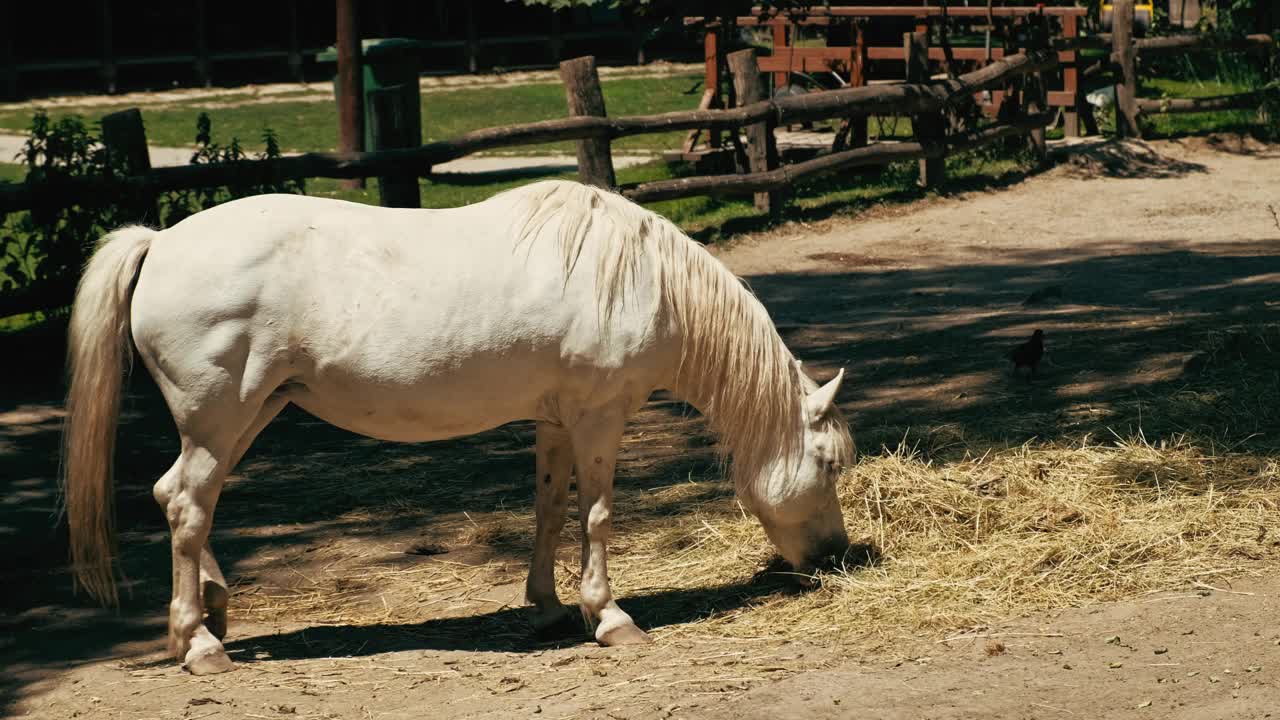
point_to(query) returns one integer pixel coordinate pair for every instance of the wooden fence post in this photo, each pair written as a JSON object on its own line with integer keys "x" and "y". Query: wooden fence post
{"x": 125, "y": 140}
{"x": 1071, "y": 79}
{"x": 1035, "y": 92}
{"x": 582, "y": 92}
{"x": 929, "y": 128}
{"x": 713, "y": 50}
{"x": 394, "y": 126}
{"x": 1123, "y": 53}
{"x": 350, "y": 85}
{"x": 762, "y": 152}
{"x": 853, "y": 129}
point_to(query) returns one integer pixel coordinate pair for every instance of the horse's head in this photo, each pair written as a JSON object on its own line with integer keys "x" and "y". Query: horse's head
{"x": 795, "y": 498}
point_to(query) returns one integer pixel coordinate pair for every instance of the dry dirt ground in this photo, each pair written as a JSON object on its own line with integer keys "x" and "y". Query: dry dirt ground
{"x": 1124, "y": 255}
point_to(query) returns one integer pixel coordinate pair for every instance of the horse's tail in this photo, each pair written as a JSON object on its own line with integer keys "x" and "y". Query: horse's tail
{"x": 98, "y": 355}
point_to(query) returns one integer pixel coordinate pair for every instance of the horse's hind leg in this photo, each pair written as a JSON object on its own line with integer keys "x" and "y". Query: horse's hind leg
{"x": 188, "y": 494}
{"x": 554, "y": 462}
{"x": 213, "y": 586}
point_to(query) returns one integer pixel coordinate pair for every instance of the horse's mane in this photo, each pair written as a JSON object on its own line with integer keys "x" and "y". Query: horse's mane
{"x": 733, "y": 366}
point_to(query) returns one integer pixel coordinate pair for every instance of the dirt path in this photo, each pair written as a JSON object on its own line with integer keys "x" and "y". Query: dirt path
{"x": 1124, "y": 255}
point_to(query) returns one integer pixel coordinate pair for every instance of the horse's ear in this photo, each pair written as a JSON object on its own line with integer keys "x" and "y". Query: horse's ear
{"x": 820, "y": 401}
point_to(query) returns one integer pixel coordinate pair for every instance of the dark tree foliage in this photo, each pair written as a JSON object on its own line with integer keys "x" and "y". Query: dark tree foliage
{"x": 48, "y": 245}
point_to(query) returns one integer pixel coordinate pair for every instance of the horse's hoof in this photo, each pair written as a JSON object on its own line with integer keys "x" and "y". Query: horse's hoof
{"x": 627, "y": 634}
{"x": 206, "y": 656}
{"x": 207, "y": 661}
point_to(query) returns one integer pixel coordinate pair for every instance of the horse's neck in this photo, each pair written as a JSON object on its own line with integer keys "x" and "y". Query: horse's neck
{"x": 751, "y": 400}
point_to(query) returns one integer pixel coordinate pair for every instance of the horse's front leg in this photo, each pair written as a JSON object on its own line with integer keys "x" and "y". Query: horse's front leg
{"x": 553, "y": 464}
{"x": 595, "y": 444}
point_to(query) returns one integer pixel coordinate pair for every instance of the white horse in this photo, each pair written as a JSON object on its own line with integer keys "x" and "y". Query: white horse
{"x": 556, "y": 302}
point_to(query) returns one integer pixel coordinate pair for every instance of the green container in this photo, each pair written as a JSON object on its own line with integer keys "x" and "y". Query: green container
{"x": 387, "y": 62}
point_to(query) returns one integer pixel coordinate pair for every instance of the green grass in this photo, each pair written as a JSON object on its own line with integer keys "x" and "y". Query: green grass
{"x": 308, "y": 126}
{"x": 1175, "y": 124}
{"x": 12, "y": 173}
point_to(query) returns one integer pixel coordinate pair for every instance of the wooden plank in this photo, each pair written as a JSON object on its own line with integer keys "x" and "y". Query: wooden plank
{"x": 781, "y": 73}
{"x": 1035, "y": 93}
{"x": 1071, "y": 80}
{"x": 1240, "y": 101}
{"x": 714, "y": 63}
{"x": 1123, "y": 53}
{"x": 822, "y": 15}
{"x": 350, "y": 85}
{"x": 783, "y": 66}
{"x": 787, "y": 175}
{"x": 762, "y": 153}
{"x": 1173, "y": 44}
{"x": 582, "y": 92}
{"x": 393, "y": 126}
{"x": 929, "y": 127}
{"x": 691, "y": 140}
{"x": 858, "y": 78}
{"x": 125, "y": 140}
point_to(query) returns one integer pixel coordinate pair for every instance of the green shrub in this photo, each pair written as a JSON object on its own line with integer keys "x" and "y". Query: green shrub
{"x": 48, "y": 245}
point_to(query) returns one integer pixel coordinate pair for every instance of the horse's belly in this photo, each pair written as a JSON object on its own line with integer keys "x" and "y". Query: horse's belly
{"x": 433, "y": 409}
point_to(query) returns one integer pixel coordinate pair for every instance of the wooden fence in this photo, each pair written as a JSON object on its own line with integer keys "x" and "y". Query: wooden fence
{"x": 912, "y": 98}
{"x": 854, "y": 60}
{"x": 1020, "y": 75}
{"x": 1125, "y": 52}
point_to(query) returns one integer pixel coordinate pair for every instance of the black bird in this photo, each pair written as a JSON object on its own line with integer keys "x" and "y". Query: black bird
{"x": 1028, "y": 354}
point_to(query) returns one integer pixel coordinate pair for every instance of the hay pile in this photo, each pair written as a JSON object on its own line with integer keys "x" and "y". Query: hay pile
{"x": 969, "y": 542}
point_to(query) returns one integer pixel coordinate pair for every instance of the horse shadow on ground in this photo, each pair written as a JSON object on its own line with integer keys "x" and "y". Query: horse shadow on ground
{"x": 509, "y": 629}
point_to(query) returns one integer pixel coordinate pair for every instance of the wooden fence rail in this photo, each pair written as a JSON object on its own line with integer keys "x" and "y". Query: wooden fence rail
{"x": 875, "y": 99}
{"x": 785, "y": 176}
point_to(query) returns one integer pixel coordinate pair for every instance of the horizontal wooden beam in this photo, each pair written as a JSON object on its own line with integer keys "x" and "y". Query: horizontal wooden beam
{"x": 788, "y": 175}
{"x": 937, "y": 53}
{"x": 1239, "y": 101}
{"x": 1172, "y": 44}
{"x": 821, "y": 15}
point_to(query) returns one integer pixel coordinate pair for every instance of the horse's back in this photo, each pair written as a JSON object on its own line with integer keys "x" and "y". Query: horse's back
{"x": 376, "y": 309}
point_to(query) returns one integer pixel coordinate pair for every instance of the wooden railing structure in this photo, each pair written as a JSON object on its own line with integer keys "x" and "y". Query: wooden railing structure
{"x": 581, "y": 80}
{"x": 1125, "y": 51}
{"x": 852, "y": 61}
{"x": 1026, "y": 112}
